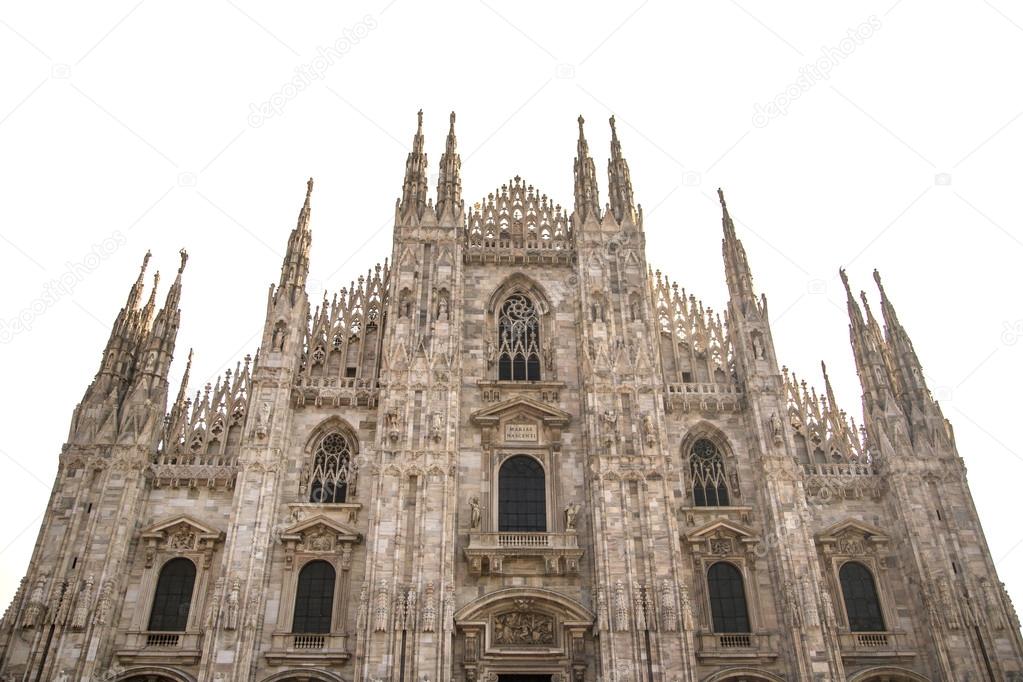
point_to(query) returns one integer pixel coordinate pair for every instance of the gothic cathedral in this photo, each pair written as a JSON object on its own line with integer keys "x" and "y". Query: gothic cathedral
{"x": 510, "y": 453}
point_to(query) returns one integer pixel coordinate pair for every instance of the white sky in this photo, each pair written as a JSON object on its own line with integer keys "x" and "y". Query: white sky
{"x": 131, "y": 121}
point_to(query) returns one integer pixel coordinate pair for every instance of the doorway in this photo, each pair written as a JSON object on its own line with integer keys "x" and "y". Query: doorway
{"x": 523, "y": 678}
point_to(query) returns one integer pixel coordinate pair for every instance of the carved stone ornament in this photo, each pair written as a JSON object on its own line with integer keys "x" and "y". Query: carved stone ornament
{"x": 523, "y": 628}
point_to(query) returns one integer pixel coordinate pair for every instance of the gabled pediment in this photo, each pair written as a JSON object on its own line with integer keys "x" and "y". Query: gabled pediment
{"x": 722, "y": 528}
{"x": 852, "y": 527}
{"x": 180, "y": 524}
{"x": 320, "y": 526}
{"x": 521, "y": 405}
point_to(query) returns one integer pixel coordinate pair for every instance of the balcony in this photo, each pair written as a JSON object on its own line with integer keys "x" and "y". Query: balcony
{"x": 859, "y": 645}
{"x": 704, "y": 397}
{"x": 523, "y": 553}
{"x": 736, "y": 646}
{"x": 291, "y": 647}
{"x": 180, "y": 647}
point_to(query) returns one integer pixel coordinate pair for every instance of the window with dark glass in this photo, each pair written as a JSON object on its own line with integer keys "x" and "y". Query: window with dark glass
{"x": 860, "y": 594}
{"x": 331, "y": 469}
{"x": 314, "y": 598}
{"x": 707, "y": 468}
{"x": 727, "y": 598}
{"x": 518, "y": 342}
{"x": 173, "y": 596}
{"x": 522, "y": 497}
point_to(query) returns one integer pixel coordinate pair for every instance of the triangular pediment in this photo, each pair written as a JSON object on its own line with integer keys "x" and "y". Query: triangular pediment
{"x": 521, "y": 405}
{"x": 177, "y": 523}
{"x": 320, "y": 525}
{"x": 853, "y": 527}
{"x": 722, "y": 528}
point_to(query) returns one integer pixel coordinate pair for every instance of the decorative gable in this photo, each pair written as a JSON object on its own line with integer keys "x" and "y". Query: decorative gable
{"x": 319, "y": 535}
{"x": 180, "y": 535}
{"x": 852, "y": 538}
{"x": 722, "y": 538}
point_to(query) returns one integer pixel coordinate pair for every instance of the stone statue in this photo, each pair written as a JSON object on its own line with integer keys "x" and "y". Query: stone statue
{"x": 649, "y": 430}
{"x": 436, "y": 426}
{"x": 777, "y": 432}
{"x": 571, "y": 512}
{"x": 442, "y": 308}
{"x": 263, "y": 420}
{"x": 277, "y": 343}
{"x": 475, "y": 513}
{"x": 233, "y": 599}
{"x": 81, "y": 615}
{"x": 758, "y": 347}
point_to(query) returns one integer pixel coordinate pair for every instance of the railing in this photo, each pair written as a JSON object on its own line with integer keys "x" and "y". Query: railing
{"x": 523, "y": 541}
{"x": 163, "y": 640}
{"x": 874, "y": 643}
{"x": 692, "y": 388}
{"x": 837, "y": 469}
{"x": 744, "y": 645}
{"x": 308, "y": 646}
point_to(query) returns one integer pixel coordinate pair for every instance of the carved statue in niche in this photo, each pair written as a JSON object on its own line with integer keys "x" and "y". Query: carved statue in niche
{"x": 363, "y": 612}
{"x": 393, "y": 420}
{"x": 601, "y": 611}
{"x": 475, "y": 513}
{"x": 263, "y": 420}
{"x": 429, "y": 608}
{"x": 81, "y": 615}
{"x": 436, "y": 427}
{"x": 609, "y": 418}
{"x": 280, "y": 334}
{"x": 571, "y": 514}
{"x": 442, "y": 308}
{"x": 758, "y": 347}
{"x": 649, "y": 430}
{"x": 621, "y": 608}
{"x": 777, "y": 430}
{"x": 524, "y": 628}
{"x": 233, "y": 605}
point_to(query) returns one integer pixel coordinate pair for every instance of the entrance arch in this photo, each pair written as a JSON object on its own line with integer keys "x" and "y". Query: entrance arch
{"x": 153, "y": 673}
{"x": 305, "y": 675}
{"x": 887, "y": 674}
{"x": 743, "y": 675}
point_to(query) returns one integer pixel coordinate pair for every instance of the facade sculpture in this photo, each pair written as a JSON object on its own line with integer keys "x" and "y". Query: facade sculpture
{"x": 512, "y": 449}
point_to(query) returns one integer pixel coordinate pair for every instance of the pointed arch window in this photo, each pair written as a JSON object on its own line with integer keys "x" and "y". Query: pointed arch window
{"x": 332, "y": 469}
{"x": 522, "y": 496}
{"x": 314, "y": 598}
{"x": 727, "y": 598}
{"x": 707, "y": 469}
{"x": 518, "y": 342}
{"x": 173, "y": 597}
{"x": 859, "y": 592}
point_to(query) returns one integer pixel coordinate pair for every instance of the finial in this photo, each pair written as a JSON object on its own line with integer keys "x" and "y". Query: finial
{"x": 145, "y": 259}
{"x": 581, "y": 121}
{"x": 614, "y": 133}
{"x": 308, "y": 188}
{"x": 420, "y": 115}
{"x": 452, "y": 121}
{"x": 845, "y": 281}
{"x": 721, "y": 198}
{"x": 184, "y": 259}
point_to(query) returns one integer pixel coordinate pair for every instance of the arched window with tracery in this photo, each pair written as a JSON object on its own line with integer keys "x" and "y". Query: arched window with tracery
{"x": 314, "y": 598}
{"x": 707, "y": 469}
{"x": 727, "y": 598}
{"x": 518, "y": 343}
{"x": 173, "y": 597}
{"x": 332, "y": 469}
{"x": 522, "y": 496}
{"x": 862, "y": 606}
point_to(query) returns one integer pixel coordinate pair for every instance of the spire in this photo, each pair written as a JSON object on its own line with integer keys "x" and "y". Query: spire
{"x": 449, "y": 181}
{"x": 737, "y": 272}
{"x": 868, "y": 351}
{"x": 619, "y": 181}
{"x": 414, "y": 189}
{"x": 906, "y": 364}
{"x": 135, "y": 293}
{"x": 295, "y": 267}
{"x": 587, "y": 200}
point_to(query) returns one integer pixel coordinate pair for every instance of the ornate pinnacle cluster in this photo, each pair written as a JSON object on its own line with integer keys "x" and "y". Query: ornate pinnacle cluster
{"x": 619, "y": 182}
{"x": 295, "y": 268}
{"x": 737, "y": 270}
{"x": 587, "y": 199}
{"x": 449, "y": 182}
{"x": 414, "y": 190}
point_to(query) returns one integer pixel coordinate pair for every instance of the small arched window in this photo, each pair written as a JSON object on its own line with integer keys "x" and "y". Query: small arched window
{"x": 522, "y": 496}
{"x": 518, "y": 342}
{"x": 862, "y": 606}
{"x": 332, "y": 469}
{"x": 707, "y": 469}
{"x": 314, "y": 598}
{"x": 173, "y": 596}
{"x": 727, "y": 598}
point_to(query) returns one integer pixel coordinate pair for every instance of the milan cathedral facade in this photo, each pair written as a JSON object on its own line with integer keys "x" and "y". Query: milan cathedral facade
{"x": 513, "y": 452}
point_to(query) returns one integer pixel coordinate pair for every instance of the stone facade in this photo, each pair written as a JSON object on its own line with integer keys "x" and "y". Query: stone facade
{"x": 369, "y": 437}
